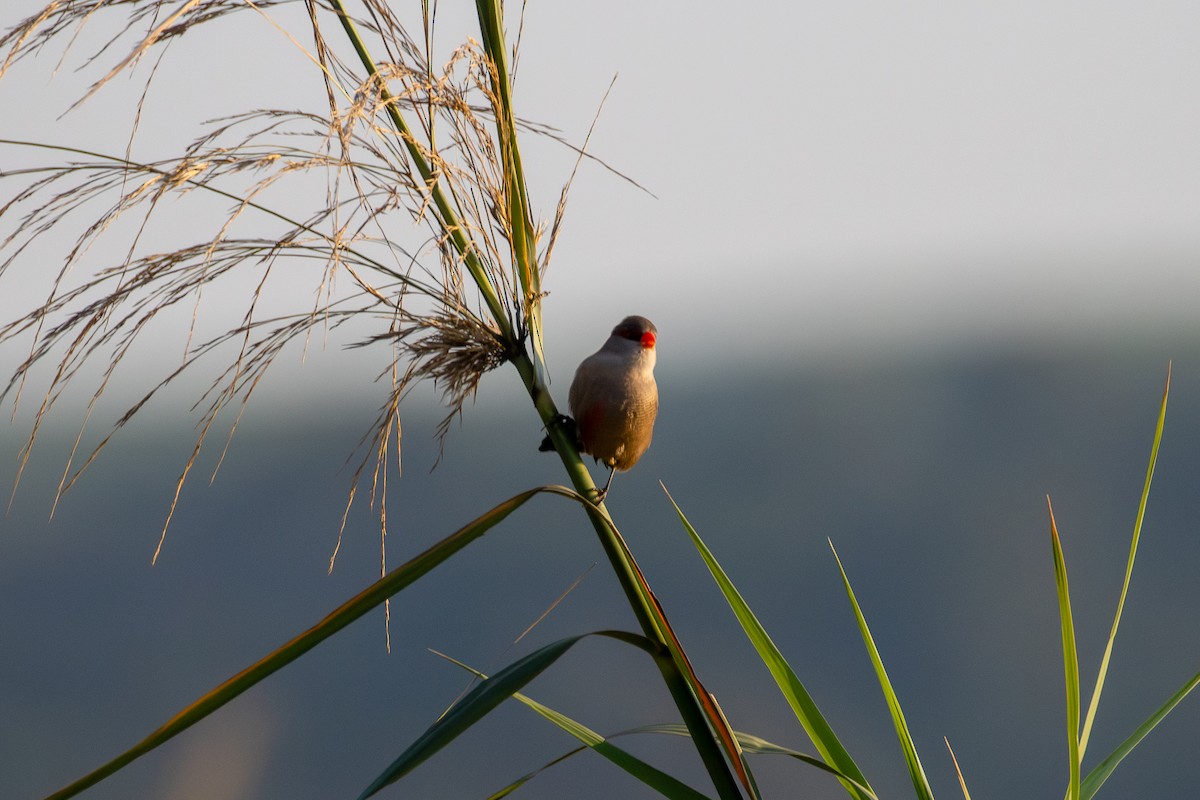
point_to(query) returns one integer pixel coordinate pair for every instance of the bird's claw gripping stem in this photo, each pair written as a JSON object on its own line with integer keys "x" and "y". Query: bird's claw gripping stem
{"x": 572, "y": 430}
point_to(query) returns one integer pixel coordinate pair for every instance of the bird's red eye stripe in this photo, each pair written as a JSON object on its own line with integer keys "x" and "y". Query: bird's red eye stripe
{"x": 648, "y": 339}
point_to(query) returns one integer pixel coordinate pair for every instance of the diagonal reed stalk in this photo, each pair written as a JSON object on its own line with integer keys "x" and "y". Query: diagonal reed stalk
{"x": 474, "y": 202}
{"x": 695, "y": 707}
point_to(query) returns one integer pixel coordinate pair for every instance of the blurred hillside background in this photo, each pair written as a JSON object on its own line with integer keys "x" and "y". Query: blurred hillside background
{"x": 914, "y": 268}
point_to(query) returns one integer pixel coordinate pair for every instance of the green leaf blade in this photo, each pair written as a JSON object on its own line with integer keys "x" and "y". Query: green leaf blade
{"x": 473, "y": 707}
{"x": 801, "y": 702}
{"x": 915, "y": 770}
{"x": 350, "y": 611}
{"x": 1094, "y": 704}
{"x": 484, "y": 698}
{"x": 1070, "y": 658}
{"x": 664, "y": 784}
{"x": 1096, "y": 778}
{"x": 656, "y": 779}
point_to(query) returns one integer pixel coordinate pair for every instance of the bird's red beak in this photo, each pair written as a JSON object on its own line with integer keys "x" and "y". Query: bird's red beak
{"x": 648, "y": 340}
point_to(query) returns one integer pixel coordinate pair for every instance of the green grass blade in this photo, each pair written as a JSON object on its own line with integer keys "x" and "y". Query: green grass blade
{"x": 491, "y": 27}
{"x": 527, "y": 777}
{"x": 656, "y": 779}
{"x": 653, "y": 777}
{"x": 1133, "y": 546}
{"x": 756, "y": 745}
{"x": 810, "y": 717}
{"x": 482, "y": 699}
{"x": 371, "y": 597}
{"x": 710, "y": 731}
{"x": 523, "y": 235}
{"x": 1099, "y": 775}
{"x": 915, "y": 770}
{"x": 1070, "y": 657}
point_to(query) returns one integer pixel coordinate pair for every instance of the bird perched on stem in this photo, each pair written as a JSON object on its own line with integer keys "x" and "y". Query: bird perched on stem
{"x": 614, "y": 398}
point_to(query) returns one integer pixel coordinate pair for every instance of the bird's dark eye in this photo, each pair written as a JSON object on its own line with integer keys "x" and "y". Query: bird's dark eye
{"x": 634, "y": 329}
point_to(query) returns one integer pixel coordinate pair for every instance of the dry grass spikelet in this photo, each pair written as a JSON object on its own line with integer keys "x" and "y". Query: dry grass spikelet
{"x": 403, "y": 226}
{"x": 438, "y": 327}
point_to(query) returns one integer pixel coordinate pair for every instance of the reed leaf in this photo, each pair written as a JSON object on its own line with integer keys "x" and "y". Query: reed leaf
{"x": 488, "y": 694}
{"x": 373, "y": 596}
{"x": 656, "y": 779}
{"x": 710, "y": 731}
{"x": 1096, "y": 778}
{"x": 523, "y": 239}
{"x": 1133, "y": 547}
{"x": 801, "y": 702}
{"x": 1070, "y": 658}
{"x": 756, "y": 745}
{"x": 915, "y": 771}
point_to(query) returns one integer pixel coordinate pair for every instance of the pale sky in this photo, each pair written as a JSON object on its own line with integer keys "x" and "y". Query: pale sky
{"x": 855, "y": 176}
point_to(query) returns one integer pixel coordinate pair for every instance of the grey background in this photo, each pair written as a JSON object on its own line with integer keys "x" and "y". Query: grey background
{"x": 915, "y": 267}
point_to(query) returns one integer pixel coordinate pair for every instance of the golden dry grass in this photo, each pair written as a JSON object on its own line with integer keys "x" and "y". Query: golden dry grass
{"x": 357, "y": 250}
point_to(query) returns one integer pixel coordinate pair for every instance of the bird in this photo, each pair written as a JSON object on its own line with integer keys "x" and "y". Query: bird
{"x": 614, "y": 399}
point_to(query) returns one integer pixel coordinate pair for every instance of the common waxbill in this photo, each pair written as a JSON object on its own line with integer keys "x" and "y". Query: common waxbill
{"x": 614, "y": 398}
